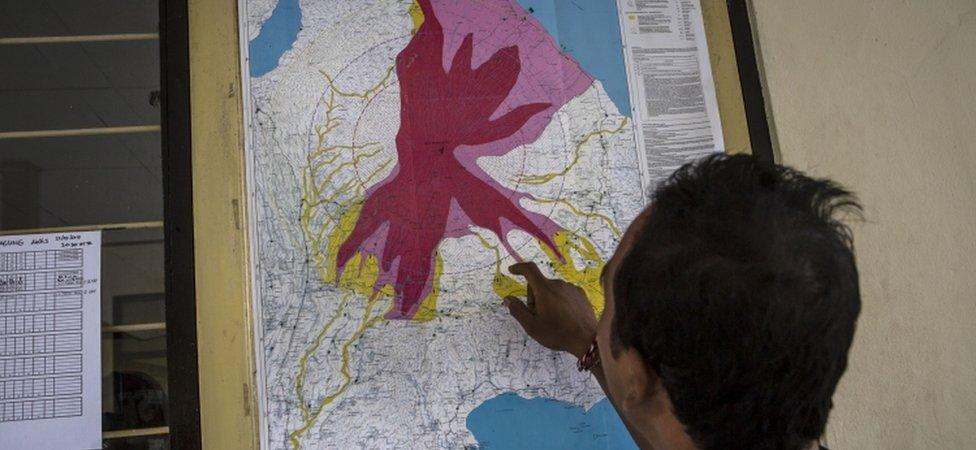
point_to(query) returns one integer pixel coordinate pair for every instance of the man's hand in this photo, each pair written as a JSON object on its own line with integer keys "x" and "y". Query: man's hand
{"x": 556, "y": 314}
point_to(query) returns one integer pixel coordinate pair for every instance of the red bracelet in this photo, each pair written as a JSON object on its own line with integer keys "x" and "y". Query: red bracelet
{"x": 590, "y": 359}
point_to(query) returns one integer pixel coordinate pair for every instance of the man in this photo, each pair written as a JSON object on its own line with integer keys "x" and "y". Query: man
{"x": 730, "y": 308}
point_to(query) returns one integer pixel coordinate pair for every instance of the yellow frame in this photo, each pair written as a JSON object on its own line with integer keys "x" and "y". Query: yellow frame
{"x": 725, "y": 71}
{"x": 228, "y": 406}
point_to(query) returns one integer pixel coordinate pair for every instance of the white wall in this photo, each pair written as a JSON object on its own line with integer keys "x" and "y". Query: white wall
{"x": 881, "y": 95}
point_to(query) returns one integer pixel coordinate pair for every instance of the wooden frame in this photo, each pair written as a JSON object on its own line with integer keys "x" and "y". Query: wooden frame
{"x": 225, "y": 352}
{"x": 721, "y": 53}
{"x": 228, "y": 406}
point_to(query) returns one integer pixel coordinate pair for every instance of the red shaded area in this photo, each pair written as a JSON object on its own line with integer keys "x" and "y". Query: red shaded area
{"x": 440, "y": 111}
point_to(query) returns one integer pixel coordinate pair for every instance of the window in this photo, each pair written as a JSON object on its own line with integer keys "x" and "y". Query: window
{"x": 81, "y": 148}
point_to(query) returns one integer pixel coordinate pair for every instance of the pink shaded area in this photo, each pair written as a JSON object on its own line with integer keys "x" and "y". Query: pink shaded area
{"x": 486, "y": 82}
{"x": 546, "y": 76}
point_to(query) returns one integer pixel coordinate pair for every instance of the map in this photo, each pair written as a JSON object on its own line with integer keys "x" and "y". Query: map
{"x": 402, "y": 154}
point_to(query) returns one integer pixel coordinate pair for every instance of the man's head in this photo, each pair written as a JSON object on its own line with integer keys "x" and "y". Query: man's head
{"x": 732, "y": 302}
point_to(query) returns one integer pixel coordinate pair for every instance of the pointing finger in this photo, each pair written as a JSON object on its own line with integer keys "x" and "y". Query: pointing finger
{"x": 530, "y": 271}
{"x": 520, "y": 312}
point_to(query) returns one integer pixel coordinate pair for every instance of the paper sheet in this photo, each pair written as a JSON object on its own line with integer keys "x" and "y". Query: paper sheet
{"x": 671, "y": 85}
{"x": 50, "y": 358}
{"x": 335, "y": 103}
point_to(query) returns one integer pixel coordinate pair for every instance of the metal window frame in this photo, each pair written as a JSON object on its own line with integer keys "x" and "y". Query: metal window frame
{"x": 181, "y": 314}
{"x": 750, "y": 81}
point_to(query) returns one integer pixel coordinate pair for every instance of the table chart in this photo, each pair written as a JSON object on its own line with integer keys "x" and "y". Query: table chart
{"x": 49, "y": 340}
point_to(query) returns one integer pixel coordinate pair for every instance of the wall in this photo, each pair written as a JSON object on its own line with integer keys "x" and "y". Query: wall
{"x": 881, "y": 95}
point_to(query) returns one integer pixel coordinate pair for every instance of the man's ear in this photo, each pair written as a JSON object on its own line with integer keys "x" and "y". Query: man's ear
{"x": 639, "y": 384}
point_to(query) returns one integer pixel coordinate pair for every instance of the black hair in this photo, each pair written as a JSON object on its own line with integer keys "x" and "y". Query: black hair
{"x": 741, "y": 293}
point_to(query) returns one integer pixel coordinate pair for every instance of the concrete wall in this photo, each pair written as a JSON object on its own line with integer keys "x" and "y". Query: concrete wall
{"x": 881, "y": 95}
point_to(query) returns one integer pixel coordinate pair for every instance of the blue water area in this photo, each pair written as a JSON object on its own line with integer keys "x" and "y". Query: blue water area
{"x": 589, "y": 31}
{"x": 509, "y": 421}
{"x": 277, "y": 35}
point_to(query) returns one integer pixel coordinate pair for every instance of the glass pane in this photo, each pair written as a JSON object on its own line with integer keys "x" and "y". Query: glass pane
{"x": 134, "y": 338}
{"x": 134, "y": 385}
{"x": 95, "y": 180}
{"x": 72, "y": 85}
{"x": 133, "y": 277}
{"x": 67, "y": 181}
{"x": 73, "y": 17}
